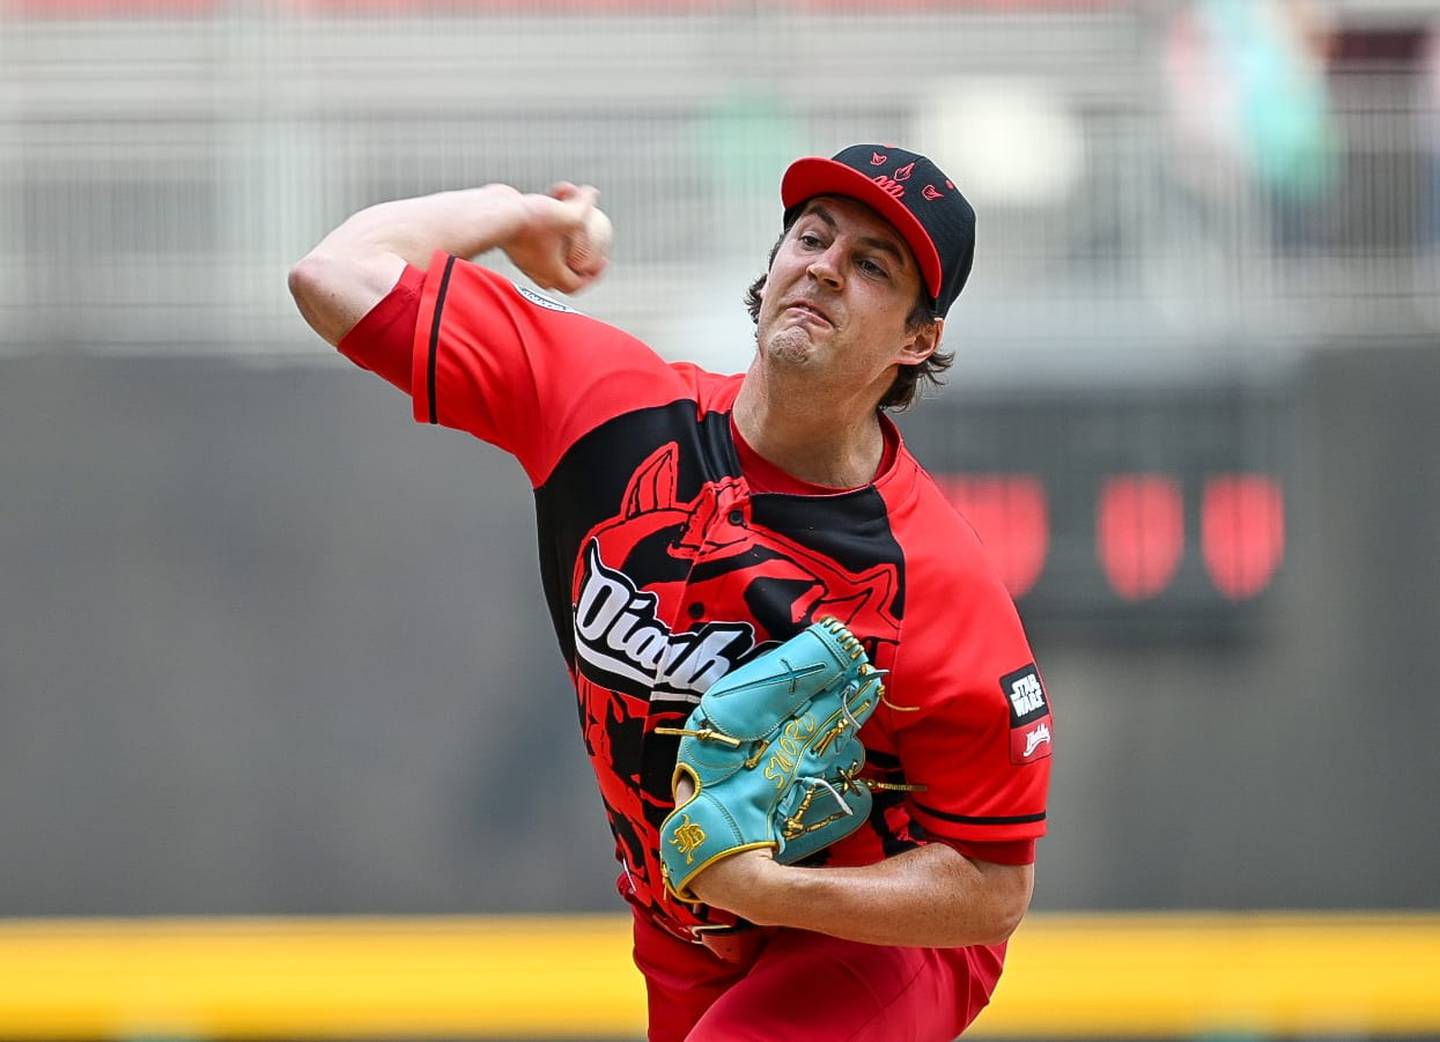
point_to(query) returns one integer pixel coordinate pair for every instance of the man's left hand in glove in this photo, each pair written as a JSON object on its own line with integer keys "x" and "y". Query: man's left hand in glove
{"x": 770, "y": 760}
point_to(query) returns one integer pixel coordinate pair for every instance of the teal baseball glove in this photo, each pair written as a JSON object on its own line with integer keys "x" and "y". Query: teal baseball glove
{"x": 773, "y": 752}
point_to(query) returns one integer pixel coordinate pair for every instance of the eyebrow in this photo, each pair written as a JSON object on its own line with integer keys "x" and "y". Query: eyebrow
{"x": 874, "y": 242}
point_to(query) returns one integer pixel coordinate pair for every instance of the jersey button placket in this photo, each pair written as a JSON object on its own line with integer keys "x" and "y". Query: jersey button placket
{"x": 720, "y": 539}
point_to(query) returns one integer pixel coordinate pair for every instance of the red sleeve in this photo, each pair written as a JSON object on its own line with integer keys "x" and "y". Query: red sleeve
{"x": 1018, "y": 852}
{"x": 380, "y": 342}
{"x": 523, "y": 372}
{"x": 981, "y": 737}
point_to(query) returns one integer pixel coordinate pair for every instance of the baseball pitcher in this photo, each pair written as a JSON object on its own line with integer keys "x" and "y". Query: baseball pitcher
{"x": 816, "y": 724}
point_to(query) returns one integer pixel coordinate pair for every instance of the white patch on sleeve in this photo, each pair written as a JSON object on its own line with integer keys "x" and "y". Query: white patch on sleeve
{"x": 544, "y": 302}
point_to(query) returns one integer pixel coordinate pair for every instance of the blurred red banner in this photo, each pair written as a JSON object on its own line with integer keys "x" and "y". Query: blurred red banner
{"x": 1011, "y": 515}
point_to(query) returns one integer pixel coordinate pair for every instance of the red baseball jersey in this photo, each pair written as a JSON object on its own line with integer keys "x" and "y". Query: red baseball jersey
{"x": 667, "y": 561}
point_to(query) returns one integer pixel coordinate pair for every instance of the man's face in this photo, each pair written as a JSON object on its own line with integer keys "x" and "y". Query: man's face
{"x": 836, "y": 299}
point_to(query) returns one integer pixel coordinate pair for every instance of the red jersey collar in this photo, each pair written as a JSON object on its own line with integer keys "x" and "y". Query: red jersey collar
{"x": 763, "y": 476}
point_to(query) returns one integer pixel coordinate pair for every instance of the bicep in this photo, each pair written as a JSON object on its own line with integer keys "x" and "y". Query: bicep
{"x": 334, "y": 293}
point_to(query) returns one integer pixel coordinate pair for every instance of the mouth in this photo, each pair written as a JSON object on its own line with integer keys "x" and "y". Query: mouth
{"x": 806, "y": 308}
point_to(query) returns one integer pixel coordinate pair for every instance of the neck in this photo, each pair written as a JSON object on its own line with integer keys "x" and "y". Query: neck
{"x": 809, "y": 436}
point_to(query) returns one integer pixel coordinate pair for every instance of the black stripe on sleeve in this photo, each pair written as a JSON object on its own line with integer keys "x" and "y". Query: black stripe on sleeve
{"x": 966, "y": 819}
{"x": 435, "y": 337}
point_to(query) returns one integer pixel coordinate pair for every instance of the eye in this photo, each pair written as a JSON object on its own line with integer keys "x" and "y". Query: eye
{"x": 868, "y": 266}
{"x": 809, "y": 240}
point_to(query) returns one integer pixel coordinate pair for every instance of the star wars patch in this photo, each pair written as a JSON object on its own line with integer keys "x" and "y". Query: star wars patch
{"x": 1030, "y": 737}
{"x": 544, "y": 302}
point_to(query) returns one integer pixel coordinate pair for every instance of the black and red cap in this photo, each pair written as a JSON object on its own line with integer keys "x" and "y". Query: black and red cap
{"x": 910, "y": 192}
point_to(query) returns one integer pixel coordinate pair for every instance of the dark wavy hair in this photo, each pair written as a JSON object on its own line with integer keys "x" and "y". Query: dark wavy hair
{"x": 905, "y": 388}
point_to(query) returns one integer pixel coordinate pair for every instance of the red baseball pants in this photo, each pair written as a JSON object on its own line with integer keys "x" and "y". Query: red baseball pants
{"x": 796, "y": 986}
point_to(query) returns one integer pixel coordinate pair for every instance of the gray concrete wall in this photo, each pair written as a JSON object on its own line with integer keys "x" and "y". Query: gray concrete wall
{"x": 268, "y": 646}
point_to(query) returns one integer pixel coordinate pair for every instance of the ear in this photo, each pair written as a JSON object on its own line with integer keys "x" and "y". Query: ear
{"x": 922, "y": 344}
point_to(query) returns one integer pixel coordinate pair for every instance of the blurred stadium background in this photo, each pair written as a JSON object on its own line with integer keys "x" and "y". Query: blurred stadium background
{"x": 285, "y": 749}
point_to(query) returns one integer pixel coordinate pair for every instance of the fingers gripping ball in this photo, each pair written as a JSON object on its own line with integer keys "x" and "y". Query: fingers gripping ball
{"x": 588, "y": 250}
{"x": 773, "y": 755}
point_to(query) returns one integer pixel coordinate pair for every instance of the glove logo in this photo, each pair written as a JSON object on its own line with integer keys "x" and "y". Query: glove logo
{"x": 788, "y": 749}
{"x": 688, "y": 838}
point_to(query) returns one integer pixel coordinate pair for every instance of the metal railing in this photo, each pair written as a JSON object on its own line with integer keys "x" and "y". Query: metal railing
{"x": 158, "y": 176}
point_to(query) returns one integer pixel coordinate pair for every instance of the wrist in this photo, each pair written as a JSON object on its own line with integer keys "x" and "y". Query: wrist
{"x": 749, "y": 884}
{"x": 498, "y": 214}
{"x": 786, "y": 894}
{"x": 767, "y": 896}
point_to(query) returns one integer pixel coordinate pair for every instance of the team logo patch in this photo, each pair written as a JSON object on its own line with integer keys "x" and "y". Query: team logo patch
{"x": 620, "y": 637}
{"x": 1030, "y": 737}
{"x": 544, "y": 302}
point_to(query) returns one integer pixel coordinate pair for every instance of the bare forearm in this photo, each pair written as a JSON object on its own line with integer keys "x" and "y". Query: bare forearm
{"x": 928, "y": 897}
{"x": 351, "y": 270}
{"x": 465, "y": 223}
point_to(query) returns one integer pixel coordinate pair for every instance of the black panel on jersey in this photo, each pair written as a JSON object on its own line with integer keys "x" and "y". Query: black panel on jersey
{"x": 587, "y": 485}
{"x": 769, "y": 601}
{"x": 718, "y": 445}
{"x": 651, "y": 559}
{"x": 748, "y": 559}
{"x": 852, "y": 529}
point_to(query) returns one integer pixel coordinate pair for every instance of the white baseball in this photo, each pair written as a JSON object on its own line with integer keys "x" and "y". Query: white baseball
{"x": 591, "y": 246}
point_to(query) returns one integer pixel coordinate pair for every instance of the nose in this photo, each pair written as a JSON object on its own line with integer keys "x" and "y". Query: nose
{"x": 826, "y": 267}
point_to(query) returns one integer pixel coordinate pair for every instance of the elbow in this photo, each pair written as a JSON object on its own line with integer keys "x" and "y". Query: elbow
{"x": 1004, "y": 923}
{"x": 335, "y": 292}
{"x": 996, "y": 927}
{"x": 307, "y": 280}
{"x": 310, "y": 288}
{"x": 300, "y": 278}
{"x": 1009, "y": 890}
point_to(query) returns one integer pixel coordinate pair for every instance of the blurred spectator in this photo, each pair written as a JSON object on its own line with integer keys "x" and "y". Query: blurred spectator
{"x": 1250, "y": 103}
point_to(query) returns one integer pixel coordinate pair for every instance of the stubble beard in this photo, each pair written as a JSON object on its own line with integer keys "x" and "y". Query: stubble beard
{"x": 791, "y": 346}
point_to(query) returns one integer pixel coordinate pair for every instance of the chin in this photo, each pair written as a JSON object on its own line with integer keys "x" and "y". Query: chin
{"x": 791, "y": 346}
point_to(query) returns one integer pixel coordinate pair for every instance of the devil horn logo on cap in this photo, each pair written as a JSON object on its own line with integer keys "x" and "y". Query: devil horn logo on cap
{"x": 903, "y": 174}
{"x": 889, "y": 186}
{"x": 878, "y": 159}
{"x": 931, "y": 192}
